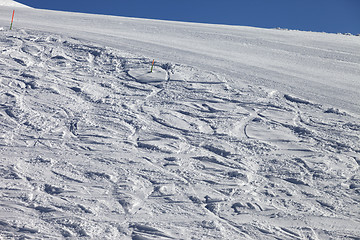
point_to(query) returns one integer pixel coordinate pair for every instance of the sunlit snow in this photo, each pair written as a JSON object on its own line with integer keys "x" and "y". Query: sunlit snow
{"x": 238, "y": 133}
{"x": 10, "y": 3}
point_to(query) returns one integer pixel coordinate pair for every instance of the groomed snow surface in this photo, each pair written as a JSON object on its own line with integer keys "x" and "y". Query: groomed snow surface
{"x": 94, "y": 146}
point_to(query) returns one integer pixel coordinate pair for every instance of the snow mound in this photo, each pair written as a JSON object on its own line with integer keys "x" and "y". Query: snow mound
{"x": 10, "y": 3}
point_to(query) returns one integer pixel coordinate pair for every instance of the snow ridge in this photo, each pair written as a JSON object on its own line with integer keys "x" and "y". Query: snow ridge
{"x": 10, "y": 3}
{"x": 95, "y": 146}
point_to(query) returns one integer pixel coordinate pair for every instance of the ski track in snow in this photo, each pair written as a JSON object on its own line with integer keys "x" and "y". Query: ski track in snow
{"x": 95, "y": 146}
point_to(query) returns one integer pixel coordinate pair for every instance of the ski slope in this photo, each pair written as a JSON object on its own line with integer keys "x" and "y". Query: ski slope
{"x": 316, "y": 66}
{"x": 238, "y": 133}
{"x": 10, "y": 3}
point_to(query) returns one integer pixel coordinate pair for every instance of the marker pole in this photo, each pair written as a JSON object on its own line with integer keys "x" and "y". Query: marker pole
{"x": 12, "y": 19}
{"x": 152, "y": 66}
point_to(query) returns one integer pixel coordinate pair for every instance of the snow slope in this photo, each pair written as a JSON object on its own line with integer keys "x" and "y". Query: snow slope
{"x": 10, "y": 3}
{"x": 316, "y": 66}
{"x": 214, "y": 144}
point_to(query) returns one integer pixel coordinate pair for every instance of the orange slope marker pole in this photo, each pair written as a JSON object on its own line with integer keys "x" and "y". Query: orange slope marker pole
{"x": 152, "y": 66}
{"x": 12, "y": 19}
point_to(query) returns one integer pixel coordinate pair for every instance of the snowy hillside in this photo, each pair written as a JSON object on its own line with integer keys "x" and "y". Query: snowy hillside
{"x": 10, "y": 3}
{"x": 220, "y": 141}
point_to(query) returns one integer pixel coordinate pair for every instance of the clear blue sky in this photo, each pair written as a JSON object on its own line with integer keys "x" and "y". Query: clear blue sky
{"x": 310, "y": 15}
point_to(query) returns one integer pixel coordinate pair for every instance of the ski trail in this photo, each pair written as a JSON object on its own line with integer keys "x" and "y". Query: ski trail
{"x": 93, "y": 145}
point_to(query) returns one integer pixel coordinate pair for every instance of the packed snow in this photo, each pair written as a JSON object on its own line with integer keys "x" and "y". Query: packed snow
{"x": 238, "y": 133}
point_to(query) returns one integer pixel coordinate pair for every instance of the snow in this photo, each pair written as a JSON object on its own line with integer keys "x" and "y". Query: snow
{"x": 238, "y": 133}
{"x": 10, "y": 3}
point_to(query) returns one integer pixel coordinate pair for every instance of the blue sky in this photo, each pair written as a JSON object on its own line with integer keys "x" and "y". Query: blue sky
{"x": 309, "y": 15}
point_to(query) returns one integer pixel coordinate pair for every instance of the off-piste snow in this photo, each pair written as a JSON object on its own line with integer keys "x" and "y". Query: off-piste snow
{"x": 238, "y": 133}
